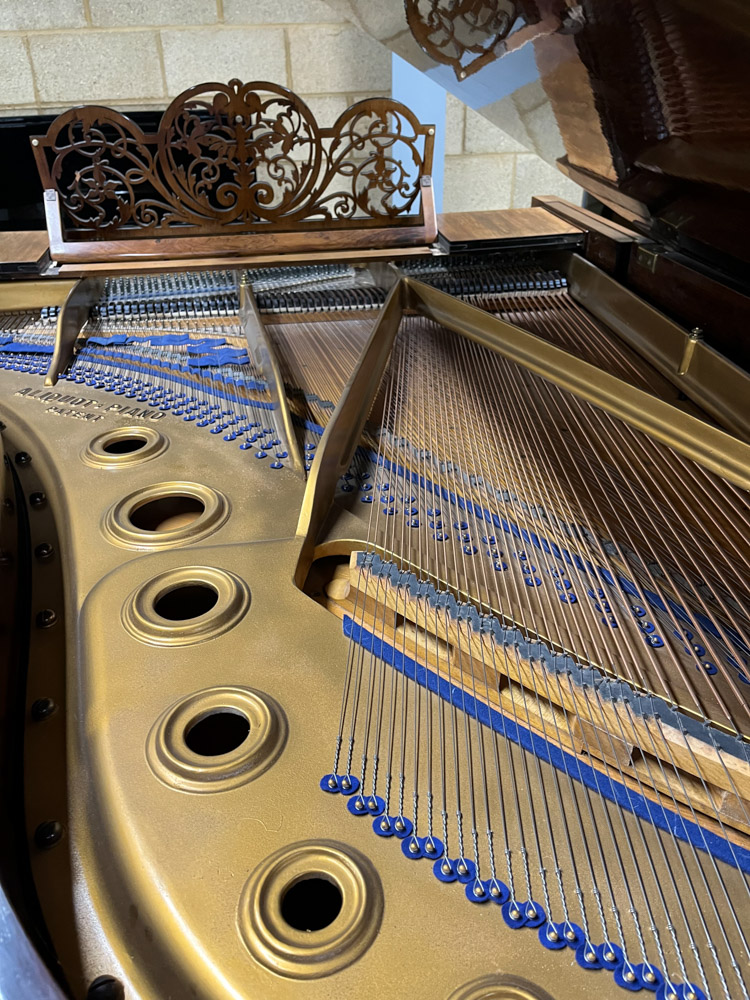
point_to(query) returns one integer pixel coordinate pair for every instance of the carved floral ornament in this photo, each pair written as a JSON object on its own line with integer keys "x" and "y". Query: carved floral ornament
{"x": 463, "y": 34}
{"x": 468, "y": 35}
{"x": 234, "y": 158}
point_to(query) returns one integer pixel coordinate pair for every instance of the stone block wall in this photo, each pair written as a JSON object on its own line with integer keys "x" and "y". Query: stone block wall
{"x": 133, "y": 54}
{"x": 136, "y": 54}
{"x": 487, "y": 167}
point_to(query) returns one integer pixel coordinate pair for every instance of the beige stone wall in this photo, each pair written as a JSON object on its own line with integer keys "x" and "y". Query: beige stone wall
{"x": 488, "y": 167}
{"x": 132, "y": 54}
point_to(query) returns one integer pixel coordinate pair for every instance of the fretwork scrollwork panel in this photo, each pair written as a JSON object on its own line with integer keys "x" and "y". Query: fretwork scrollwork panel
{"x": 235, "y": 159}
{"x": 464, "y": 36}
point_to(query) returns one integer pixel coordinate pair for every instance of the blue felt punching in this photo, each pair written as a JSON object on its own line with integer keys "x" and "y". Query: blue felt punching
{"x": 382, "y": 826}
{"x": 402, "y": 827}
{"x": 513, "y": 914}
{"x": 683, "y": 991}
{"x": 347, "y": 784}
{"x": 411, "y": 848}
{"x": 493, "y": 891}
{"x": 533, "y": 914}
{"x": 431, "y": 847}
{"x": 498, "y": 891}
{"x": 610, "y": 955}
{"x": 415, "y": 848}
{"x": 586, "y": 956}
{"x": 393, "y": 826}
{"x": 357, "y": 805}
{"x": 551, "y": 937}
{"x": 627, "y": 977}
{"x": 573, "y": 934}
{"x": 477, "y": 892}
{"x": 445, "y": 870}
{"x": 523, "y": 914}
{"x": 466, "y": 870}
{"x": 649, "y": 976}
{"x": 375, "y": 805}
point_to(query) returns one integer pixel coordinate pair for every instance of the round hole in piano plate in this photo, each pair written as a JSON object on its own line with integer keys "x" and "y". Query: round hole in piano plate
{"x": 187, "y": 601}
{"x": 185, "y": 605}
{"x": 310, "y": 904}
{"x": 216, "y": 739}
{"x": 217, "y": 733}
{"x": 123, "y": 447}
{"x": 167, "y": 513}
{"x": 500, "y": 987}
{"x": 310, "y": 909}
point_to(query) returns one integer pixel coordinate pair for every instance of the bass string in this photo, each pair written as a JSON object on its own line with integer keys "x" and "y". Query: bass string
{"x": 710, "y": 800}
{"x": 698, "y": 660}
{"x": 355, "y": 652}
{"x": 510, "y": 436}
{"x": 543, "y": 795}
{"x": 479, "y": 368}
{"x": 566, "y": 327}
{"x": 646, "y": 758}
{"x": 520, "y": 403}
{"x": 677, "y": 466}
{"x": 385, "y": 541}
{"x": 445, "y": 442}
{"x": 718, "y": 818}
{"x": 444, "y": 573}
{"x": 678, "y": 666}
{"x": 500, "y": 435}
{"x": 470, "y": 461}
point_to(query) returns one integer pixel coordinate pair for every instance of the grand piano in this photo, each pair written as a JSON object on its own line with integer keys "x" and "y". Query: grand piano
{"x": 376, "y": 585}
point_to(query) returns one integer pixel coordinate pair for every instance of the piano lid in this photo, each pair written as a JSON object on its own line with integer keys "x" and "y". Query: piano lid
{"x": 650, "y": 98}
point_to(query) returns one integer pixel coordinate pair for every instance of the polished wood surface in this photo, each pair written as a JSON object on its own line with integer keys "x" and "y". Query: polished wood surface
{"x": 582, "y": 217}
{"x": 23, "y": 251}
{"x": 148, "y": 265}
{"x": 608, "y": 244}
{"x": 511, "y": 223}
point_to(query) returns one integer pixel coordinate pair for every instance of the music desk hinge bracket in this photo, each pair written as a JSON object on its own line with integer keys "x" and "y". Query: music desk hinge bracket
{"x": 647, "y": 257}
